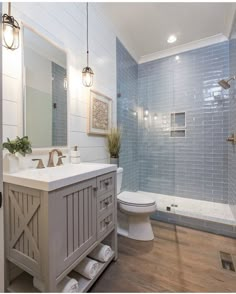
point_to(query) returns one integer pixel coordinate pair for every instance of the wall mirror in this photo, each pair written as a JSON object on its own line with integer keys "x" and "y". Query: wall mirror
{"x": 45, "y": 91}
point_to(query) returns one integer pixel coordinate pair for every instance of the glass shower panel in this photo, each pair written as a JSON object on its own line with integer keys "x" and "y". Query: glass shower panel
{"x": 156, "y": 145}
{"x": 127, "y": 100}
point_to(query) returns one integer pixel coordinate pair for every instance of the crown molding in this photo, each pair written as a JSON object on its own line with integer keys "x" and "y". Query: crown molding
{"x": 183, "y": 48}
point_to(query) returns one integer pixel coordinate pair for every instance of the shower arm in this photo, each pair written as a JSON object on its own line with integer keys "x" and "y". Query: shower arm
{"x": 233, "y": 78}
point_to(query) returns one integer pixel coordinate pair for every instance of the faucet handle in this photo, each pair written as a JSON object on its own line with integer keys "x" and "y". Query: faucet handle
{"x": 50, "y": 160}
{"x": 40, "y": 162}
{"x": 59, "y": 162}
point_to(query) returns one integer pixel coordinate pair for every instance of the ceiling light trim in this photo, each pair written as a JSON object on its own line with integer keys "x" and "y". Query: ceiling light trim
{"x": 184, "y": 48}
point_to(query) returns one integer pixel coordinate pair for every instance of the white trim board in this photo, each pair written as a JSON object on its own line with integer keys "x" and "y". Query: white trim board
{"x": 183, "y": 48}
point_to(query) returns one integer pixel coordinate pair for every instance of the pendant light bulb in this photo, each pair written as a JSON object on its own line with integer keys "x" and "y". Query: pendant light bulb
{"x": 11, "y": 30}
{"x": 87, "y": 73}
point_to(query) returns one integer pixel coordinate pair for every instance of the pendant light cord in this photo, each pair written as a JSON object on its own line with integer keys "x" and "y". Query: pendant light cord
{"x": 87, "y": 39}
{"x": 9, "y": 8}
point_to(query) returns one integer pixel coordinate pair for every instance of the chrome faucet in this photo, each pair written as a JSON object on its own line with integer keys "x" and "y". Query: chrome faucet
{"x": 51, "y": 155}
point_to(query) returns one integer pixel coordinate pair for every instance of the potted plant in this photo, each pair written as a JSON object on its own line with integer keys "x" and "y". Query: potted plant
{"x": 19, "y": 146}
{"x": 114, "y": 142}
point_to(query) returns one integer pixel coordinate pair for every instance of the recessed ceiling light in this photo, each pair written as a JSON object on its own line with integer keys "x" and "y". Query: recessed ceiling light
{"x": 171, "y": 39}
{"x": 177, "y": 57}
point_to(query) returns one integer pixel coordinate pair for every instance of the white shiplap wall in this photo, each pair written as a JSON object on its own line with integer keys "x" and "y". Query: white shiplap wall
{"x": 65, "y": 25}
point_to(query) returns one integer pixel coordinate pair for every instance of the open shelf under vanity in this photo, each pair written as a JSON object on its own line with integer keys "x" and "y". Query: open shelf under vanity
{"x": 23, "y": 282}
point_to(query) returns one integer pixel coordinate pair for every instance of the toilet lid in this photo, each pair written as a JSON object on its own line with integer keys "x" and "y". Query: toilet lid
{"x": 135, "y": 199}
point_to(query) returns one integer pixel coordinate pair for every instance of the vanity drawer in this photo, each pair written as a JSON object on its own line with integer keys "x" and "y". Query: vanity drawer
{"x": 105, "y": 202}
{"x": 105, "y": 222}
{"x": 106, "y": 183}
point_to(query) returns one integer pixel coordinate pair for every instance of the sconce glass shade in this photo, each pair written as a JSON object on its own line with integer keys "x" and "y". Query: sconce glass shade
{"x": 11, "y": 31}
{"x": 65, "y": 83}
{"x": 146, "y": 112}
{"x": 87, "y": 76}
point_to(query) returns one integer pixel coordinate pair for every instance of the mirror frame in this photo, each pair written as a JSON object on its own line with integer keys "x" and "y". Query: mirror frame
{"x": 22, "y": 108}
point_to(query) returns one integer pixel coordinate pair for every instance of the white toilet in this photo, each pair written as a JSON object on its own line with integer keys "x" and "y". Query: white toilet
{"x": 134, "y": 210}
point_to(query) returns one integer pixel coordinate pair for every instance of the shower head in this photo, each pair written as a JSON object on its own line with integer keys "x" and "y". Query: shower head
{"x": 225, "y": 83}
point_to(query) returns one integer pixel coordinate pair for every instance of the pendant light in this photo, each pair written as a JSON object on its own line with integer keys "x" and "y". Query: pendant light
{"x": 11, "y": 30}
{"x": 87, "y": 73}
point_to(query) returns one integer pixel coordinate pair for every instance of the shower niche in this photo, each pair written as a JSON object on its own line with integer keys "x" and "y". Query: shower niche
{"x": 177, "y": 124}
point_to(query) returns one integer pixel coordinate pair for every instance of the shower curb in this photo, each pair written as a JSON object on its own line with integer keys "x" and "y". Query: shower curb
{"x": 227, "y": 230}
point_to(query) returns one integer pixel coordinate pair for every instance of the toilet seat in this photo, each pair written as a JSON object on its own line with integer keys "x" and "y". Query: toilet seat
{"x": 134, "y": 199}
{"x": 133, "y": 203}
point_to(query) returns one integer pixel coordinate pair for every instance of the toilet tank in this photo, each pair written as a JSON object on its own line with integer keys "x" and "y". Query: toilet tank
{"x": 119, "y": 174}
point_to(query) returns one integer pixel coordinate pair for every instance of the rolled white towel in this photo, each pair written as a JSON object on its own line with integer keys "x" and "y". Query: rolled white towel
{"x": 101, "y": 253}
{"x": 87, "y": 268}
{"x": 67, "y": 285}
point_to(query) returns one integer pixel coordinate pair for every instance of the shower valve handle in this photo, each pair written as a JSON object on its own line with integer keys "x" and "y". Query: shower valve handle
{"x": 232, "y": 139}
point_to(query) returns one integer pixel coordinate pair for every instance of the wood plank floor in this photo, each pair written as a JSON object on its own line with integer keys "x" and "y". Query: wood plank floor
{"x": 178, "y": 260}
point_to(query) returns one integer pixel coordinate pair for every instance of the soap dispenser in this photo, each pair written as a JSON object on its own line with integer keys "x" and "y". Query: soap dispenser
{"x": 75, "y": 155}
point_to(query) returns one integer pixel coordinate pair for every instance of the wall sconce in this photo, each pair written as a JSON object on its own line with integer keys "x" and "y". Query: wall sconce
{"x": 11, "y": 30}
{"x": 65, "y": 83}
{"x": 155, "y": 116}
{"x": 146, "y": 114}
{"x": 87, "y": 73}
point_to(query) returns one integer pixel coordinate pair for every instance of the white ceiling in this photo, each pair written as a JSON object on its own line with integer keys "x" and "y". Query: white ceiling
{"x": 145, "y": 27}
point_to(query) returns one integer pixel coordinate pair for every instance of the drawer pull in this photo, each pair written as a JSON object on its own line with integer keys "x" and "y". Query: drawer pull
{"x": 107, "y": 183}
{"x": 95, "y": 188}
{"x": 107, "y": 222}
{"x": 106, "y": 202}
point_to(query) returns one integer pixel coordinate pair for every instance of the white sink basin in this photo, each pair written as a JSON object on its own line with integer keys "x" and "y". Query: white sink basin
{"x": 52, "y": 178}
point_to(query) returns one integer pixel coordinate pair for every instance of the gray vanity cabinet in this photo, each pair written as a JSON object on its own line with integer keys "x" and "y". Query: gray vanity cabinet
{"x": 75, "y": 219}
{"x": 49, "y": 233}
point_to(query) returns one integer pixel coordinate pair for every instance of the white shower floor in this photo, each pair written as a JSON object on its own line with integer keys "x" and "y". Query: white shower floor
{"x": 211, "y": 211}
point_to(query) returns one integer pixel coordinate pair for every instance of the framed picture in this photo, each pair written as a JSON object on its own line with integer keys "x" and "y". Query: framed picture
{"x": 100, "y": 114}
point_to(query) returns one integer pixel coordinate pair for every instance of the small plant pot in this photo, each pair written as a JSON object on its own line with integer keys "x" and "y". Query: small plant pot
{"x": 114, "y": 160}
{"x": 11, "y": 163}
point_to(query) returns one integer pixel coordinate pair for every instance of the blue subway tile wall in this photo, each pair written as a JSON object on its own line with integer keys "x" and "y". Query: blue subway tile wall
{"x": 127, "y": 99}
{"x": 194, "y": 166}
{"x": 232, "y": 124}
{"x": 59, "y": 99}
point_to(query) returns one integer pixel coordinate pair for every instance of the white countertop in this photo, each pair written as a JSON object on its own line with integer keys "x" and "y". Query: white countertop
{"x": 52, "y": 178}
